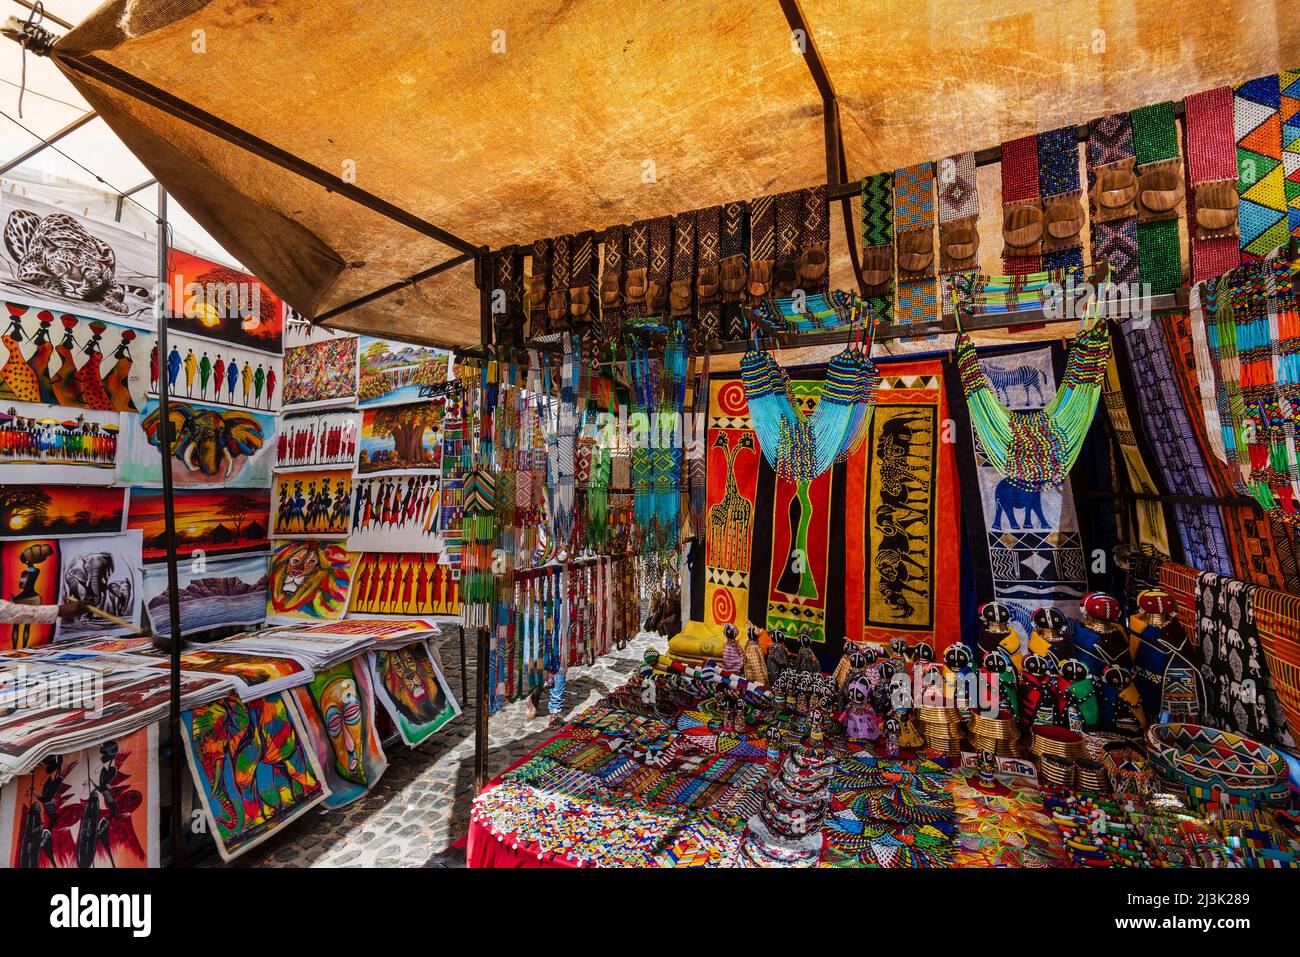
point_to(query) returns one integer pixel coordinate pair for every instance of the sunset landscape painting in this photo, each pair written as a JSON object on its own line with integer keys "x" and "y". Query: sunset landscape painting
{"x": 214, "y": 521}
{"x": 58, "y": 511}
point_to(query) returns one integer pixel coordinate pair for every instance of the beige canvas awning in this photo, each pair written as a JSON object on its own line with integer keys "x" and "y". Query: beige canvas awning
{"x": 502, "y": 121}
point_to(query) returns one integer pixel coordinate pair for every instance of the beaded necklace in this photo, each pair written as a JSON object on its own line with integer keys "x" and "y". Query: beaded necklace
{"x": 1038, "y": 447}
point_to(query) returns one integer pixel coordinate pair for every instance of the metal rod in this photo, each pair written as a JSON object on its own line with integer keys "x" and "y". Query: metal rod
{"x": 464, "y": 667}
{"x": 395, "y": 287}
{"x": 1225, "y": 502}
{"x": 163, "y": 311}
{"x": 481, "y": 680}
{"x": 27, "y": 154}
{"x": 133, "y": 86}
{"x": 48, "y": 16}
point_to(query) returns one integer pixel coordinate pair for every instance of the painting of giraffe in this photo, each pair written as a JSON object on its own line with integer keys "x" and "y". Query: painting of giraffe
{"x": 729, "y": 519}
{"x": 731, "y": 478}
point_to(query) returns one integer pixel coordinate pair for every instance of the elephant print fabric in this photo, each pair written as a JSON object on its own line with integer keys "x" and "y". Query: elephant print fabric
{"x": 309, "y": 581}
{"x": 254, "y": 769}
{"x": 338, "y": 712}
{"x": 1026, "y": 549}
{"x": 1240, "y": 694}
{"x": 104, "y": 573}
{"x": 904, "y": 496}
{"x": 210, "y": 447}
{"x": 413, "y": 691}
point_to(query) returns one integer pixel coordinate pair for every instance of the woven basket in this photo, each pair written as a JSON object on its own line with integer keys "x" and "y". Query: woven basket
{"x": 1202, "y": 757}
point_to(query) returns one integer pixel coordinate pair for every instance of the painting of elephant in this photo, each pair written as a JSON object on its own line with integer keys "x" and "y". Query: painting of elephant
{"x": 254, "y": 772}
{"x": 105, "y": 573}
{"x": 208, "y": 446}
{"x": 1009, "y": 498}
{"x": 208, "y": 441}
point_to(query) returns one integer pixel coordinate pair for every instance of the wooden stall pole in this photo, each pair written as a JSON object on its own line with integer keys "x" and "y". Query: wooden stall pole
{"x": 482, "y": 278}
{"x": 163, "y": 311}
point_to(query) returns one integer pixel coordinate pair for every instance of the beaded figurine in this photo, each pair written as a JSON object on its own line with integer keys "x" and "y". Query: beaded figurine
{"x": 996, "y": 631}
{"x": 1051, "y": 635}
{"x": 1099, "y": 639}
{"x": 1079, "y": 696}
{"x": 754, "y": 668}
{"x": 778, "y": 659}
{"x": 1167, "y": 667}
{"x": 859, "y": 718}
{"x": 807, "y": 658}
{"x": 733, "y": 658}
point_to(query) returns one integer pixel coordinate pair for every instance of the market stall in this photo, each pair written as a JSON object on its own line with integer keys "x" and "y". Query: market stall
{"x": 958, "y": 479}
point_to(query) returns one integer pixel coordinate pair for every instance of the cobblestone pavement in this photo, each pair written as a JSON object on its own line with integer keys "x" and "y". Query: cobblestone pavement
{"x": 420, "y": 807}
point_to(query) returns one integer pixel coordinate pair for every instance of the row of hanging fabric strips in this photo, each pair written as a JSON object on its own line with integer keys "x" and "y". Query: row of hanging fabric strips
{"x": 559, "y": 616}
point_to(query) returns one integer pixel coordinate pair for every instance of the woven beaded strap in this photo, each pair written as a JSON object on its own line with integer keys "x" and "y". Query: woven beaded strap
{"x": 762, "y": 246}
{"x": 557, "y": 299}
{"x": 814, "y": 242}
{"x": 789, "y": 219}
{"x": 637, "y": 270}
{"x": 1155, "y": 145}
{"x": 733, "y": 276}
{"x": 659, "y": 266}
{"x": 1058, "y": 184}
{"x": 1112, "y": 190}
{"x": 1210, "y": 152}
{"x": 1256, "y": 120}
{"x": 917, "y": 298}
{"x": 1022, "y": 213}
{"x": 681, "y": 294}
{"x": 959, "y": 215}
{"x": 708, "y": 297}
{"x": 611, "y": 288}
{"x": 508, "y": 277}
{"x": 1289, "y": 82}
{"x": 538, "y": 288}
{"x": 878, "y": 245}
{"x": 584, "y": 295}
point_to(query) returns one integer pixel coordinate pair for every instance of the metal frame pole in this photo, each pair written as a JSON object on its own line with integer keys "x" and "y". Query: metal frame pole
{"x": 163, "y": 311}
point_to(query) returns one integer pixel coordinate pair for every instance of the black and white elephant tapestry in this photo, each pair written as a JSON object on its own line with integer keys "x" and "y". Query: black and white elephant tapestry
{"x": 1025, "y": 545}
{"x": 1239, "y": 692}
{"x": 105, "y": 574}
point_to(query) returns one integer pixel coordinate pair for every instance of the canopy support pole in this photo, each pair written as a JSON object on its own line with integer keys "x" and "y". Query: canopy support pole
{"x": 163, "y": 311}
{"x": 397, "y": 286}
{"x": 25, "y": 155}
{"x": 832, "y": 131}
{"x": 482, "y": 279}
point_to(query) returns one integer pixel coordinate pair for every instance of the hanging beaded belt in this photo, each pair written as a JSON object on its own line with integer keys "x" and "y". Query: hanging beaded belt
{"x": 1160, "y": 196}
{"x": 1263, "y": 217}
{"x": 1211, "y": 155}
{"x": 1112, "y": 190}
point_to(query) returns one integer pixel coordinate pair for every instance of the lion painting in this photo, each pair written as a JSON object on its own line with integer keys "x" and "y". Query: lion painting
{"x": 310, "y": 580}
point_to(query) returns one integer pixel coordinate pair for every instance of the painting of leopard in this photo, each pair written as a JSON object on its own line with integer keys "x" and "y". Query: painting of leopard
{"x": 55, "y": 253}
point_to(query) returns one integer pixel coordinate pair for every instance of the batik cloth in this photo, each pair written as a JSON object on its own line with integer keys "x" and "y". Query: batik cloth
{"x": 1025, "y": 545}
{"x": 1165, "y": 419}
{"x": 1148, "y": 516}
{"x": 732, "y": 481}
{"x": 903, "y": 496}
{"x": 1239, "y": 691}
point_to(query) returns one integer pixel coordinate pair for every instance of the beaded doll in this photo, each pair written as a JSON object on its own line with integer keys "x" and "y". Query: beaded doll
{"x": 778, "y": 659}
{"x": 1166, "y": 668}
{"x": 1099, "y": 639}
{"x": 733, "y": 658}
{"x": 1051, "y": 635}
{"x": 893, "y": 730}
{"x": 754, "y": 668}
{"x": 807, "y": 658}
{"x": 957, "y": 669}
{"x": 1000, "y": 674}
{"x": 996, "y": 632}
{"x": 1037, "y": 692}
{"x": 859, "y": 718}
{"x": 843, "y": 666}
{"x": 1121, "y": 704}
{"x": 1079, "y": 696}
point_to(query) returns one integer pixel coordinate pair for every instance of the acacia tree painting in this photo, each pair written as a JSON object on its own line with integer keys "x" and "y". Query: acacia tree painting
{"x": 23, "y": 506}
{"x": 237, "y": 508}
{"x": 412, "y": 429}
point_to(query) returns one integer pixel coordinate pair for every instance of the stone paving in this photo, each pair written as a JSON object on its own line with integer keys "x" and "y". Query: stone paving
{"x": 420, "y": 807}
